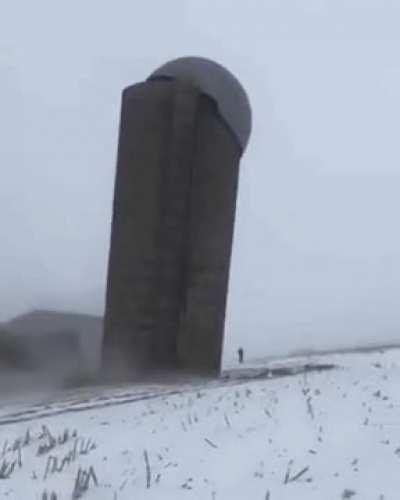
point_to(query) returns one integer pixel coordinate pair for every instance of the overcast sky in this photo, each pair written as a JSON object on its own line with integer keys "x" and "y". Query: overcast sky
{"x": 317, "y": 247}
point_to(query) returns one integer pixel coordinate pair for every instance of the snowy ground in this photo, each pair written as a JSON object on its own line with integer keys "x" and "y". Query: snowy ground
{"x": 317, "y": 435}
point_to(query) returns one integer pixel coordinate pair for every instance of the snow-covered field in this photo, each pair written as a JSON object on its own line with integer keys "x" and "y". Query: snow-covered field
{"x": 316, "y": 435}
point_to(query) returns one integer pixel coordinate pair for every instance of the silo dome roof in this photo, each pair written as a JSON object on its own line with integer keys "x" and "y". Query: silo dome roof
{"x": 218, "y": 83}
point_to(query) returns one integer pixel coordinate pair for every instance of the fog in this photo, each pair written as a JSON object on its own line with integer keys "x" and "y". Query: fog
{"x": 316, "y": 258}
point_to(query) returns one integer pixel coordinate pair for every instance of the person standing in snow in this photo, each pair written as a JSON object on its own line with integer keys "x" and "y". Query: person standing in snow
{"x": 240, "y": 354}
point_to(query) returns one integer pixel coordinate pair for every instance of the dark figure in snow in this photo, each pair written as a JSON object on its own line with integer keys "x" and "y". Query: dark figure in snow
{"x": 240, "y": 354}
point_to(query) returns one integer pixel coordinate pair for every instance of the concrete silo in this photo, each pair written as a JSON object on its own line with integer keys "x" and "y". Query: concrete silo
{"x": 182, "y": 134}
